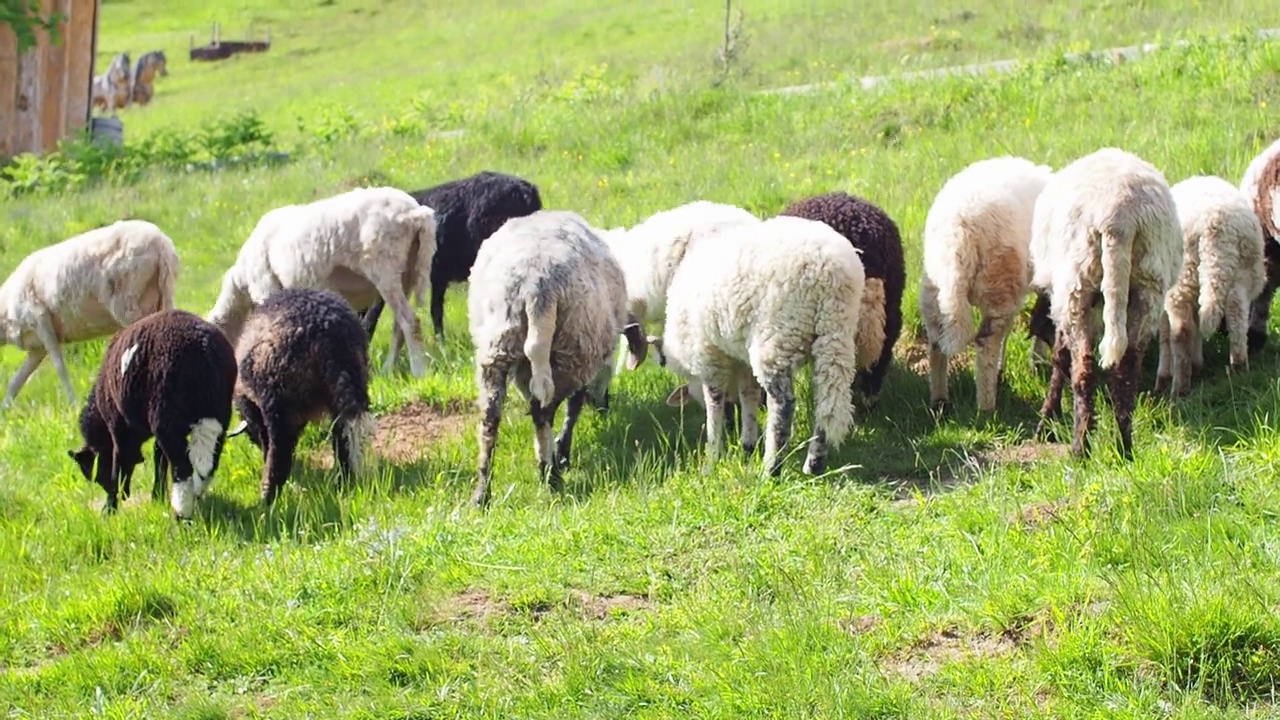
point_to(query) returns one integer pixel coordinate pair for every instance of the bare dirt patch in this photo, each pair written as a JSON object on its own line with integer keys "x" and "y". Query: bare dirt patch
{"x": 1038, "y": 515}
{"x": 403, "y": 434}
{"x": 955, "y": 471}
{"x": 950, "y": 645}
{"x": 914, "y": 355}
{"x": 480, "y": 606}
{"x": 858, "y": 624}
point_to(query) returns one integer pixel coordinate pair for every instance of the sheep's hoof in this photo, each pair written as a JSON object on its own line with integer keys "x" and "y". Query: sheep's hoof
{"x": 1162, "y": 384}
{"x": 480, "y": 497}
{"x": 749, "y": 449}
{"x": 1237, "y": 368}
{"x": 1045, "y": 432}
{"x": 551, "y": 471}
{"x": 940, "y": 406}
{"x": 815, "y": 465}
{"x": 560, "y": 461}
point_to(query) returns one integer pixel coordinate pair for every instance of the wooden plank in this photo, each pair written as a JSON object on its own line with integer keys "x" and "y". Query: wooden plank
{"x": 30, "y": 94}
{"x": 8, "y": 91}
{"x": 80, "y": 28}
{"x": 53, "y": 104}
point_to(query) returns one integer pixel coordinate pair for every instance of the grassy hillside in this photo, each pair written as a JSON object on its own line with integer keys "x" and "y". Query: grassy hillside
{"x": 951, "y": 568}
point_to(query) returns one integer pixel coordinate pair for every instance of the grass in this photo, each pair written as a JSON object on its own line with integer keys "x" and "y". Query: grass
{"x": 955, "y": 570}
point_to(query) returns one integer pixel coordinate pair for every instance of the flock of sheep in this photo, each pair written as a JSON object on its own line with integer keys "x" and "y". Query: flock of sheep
{"x": 1104, "y": 243}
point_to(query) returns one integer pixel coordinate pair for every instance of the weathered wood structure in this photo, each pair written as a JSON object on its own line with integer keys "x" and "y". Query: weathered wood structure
{"x": 44, "y": 93}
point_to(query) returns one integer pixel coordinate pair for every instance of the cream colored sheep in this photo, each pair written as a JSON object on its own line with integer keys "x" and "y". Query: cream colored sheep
{"x": 976, "y": 244}
{"x": 362, "y": 244}
{"x": 1105, "y": 230}
{"x": 1222, "y": 273}
{"x": 84, "y": 287}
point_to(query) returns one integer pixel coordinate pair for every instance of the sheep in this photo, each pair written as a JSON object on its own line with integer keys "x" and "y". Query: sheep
{"x": 1222, "y": 273}
{"x": 467, "y": 211}
{"x": 744, "y": 314}
{"x": 1105, "y": 229}
{"x": 83, "y": 288}
{"x": 1261, "y": 186}
{"x": 169, "y": 375}
{"x": 546, "y": 301}
{"x": 302, "y": 355}
{"x": 977, "y": 237}
{"x": 875, "y": 235}
{"x": 362, "y": 244}
{"x": 650, "y": 251}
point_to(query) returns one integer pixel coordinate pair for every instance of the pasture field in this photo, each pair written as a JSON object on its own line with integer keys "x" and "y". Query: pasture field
{"x": 949, "y": 567}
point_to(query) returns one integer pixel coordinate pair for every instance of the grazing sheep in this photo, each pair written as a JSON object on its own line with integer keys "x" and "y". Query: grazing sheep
{"x": 1105, "y": 230}
{"x": 303, "y": 355}
{"x": 82, "y": 288}
{"x": 651, "y": 251}
{"x": 546, "y": 303}
{"x": 362, "y": 244}
{"x": 745, "y": 314}
{"x": 1222, "y": 273}
{"x": 170, "y": 376}
{"x": 1261, "y": 186}
{"x": 977, "y": 237}
{"x": 876, "y": 237}
{"x": 467, "y": 211}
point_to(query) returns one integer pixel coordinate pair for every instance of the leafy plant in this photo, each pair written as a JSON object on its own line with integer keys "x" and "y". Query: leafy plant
{"x": 24, "y": 18}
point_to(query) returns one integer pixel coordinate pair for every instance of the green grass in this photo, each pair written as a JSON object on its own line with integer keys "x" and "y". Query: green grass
{"x": 954, "y": 571}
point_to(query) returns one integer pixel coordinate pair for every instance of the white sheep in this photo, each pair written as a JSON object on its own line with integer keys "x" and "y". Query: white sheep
{"x": 546, "y": 302}
{"x": 650, "y": 251}
{"x": 362, "y": 244}
{"x": 1261, "y": 186}
{"x": 84, "y": 287}
{"x": 1222, "y": 273}
{"x": 746, "y": 313}
{"x": 977, "y": 237}
{"x": 1105, "y": 230}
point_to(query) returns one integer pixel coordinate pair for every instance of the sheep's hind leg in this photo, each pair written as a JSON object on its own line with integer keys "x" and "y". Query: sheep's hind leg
{"x": 493, "y": 392}
{"x": 564, "y": 442}
{"x": 107, "y": 477}
{"x": 988, "y": 358}
{"x": 749, "y": 392}
{"x": 1083, "y": 381}
{"x": 939, "y": 393}
{"x": 409, "y": 325}
{"x": 161, "y": 464}
{"x": 29, "y": 364}
{"x": 282, "y": 442}
{"x": 1124, "y": 392}
{"x": 1052, "y": 408}
{"x": 543, "y": 416}
{"x": 713, "y": 398}
{"x": 1164, "y": 370}
{"x": 781, "y": 403}
{"x": 1237, "y": 329}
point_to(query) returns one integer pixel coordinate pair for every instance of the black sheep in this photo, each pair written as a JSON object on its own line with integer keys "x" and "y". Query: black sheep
{"x": 875, "y": 234}
{"x": 303, "y": 355}
{"x": 468, "y": 211}
{"x": 169, "y": 375}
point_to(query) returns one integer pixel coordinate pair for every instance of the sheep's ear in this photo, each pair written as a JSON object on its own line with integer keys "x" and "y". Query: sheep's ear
{"x": 637, "y": 346}
{"x": 239, "y": 429}
{"x": 679, "y": 396}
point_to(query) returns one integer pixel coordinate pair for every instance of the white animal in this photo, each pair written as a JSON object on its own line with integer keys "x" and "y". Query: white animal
{"x": 1105, "y": 230}
{"x": 747, "y": 312}
{"x": 1222, "y": 273}
{"x": 977, "y": 237}
{"x": 1261, "y": 186}
{"x": 546, "y": 302}
{"x": 84, "y": 287}
{"x": 361, "y": 244}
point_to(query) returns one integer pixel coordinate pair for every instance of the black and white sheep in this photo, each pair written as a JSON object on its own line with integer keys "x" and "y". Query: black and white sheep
{"x": 468, "y": 211}
{"x": 1105, "y": 230}
{"x": 1261, "y": 186}
{"x": 362, "y": 244}
{"x": 977, "y": 236}
{"x": 1222, "y": 272}
{"x": 546, "y": 303}
{"x": 302, "y": 355}
{"x": 169, "y": 375}
{"x": 84, "y": 287}
{"x": 875, "y": 235}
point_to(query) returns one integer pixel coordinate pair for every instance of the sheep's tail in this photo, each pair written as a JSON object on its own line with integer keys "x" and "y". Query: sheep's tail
{"x": 351, "y": 410}
{"x": 1117, "y": 261}
{"x": 1216, "y": 285}
{"x": 232, "y": 306}
{"x": 835, "y": 354}
{"x": 423, "y": 253}
{"x": 167, "y": 278}
{"x": 955, "y": 318}
{"x": 537, "y": 347}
